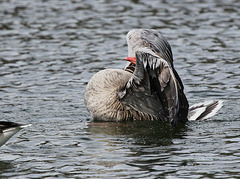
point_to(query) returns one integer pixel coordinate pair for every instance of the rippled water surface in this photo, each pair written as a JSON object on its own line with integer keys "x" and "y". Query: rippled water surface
{"x": 50, "y": 49}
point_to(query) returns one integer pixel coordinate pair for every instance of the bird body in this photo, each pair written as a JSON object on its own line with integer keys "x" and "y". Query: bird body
{"x": 149, "y": 88}
{"x": 101, "y": 95}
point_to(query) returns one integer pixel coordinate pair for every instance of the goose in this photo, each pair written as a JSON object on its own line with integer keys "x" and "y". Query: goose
{"x": 8, "y": 129}
{"x": 148, "y": 88}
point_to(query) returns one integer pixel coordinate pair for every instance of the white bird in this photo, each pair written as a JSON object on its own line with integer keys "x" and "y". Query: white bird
{"x": 149, "y": 88}
{"x": 8, "y": 129}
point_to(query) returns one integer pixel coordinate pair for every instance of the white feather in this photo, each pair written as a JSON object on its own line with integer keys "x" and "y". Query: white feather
{"x": 196, "y": 110}
{"x": 215, "y": 110}
{"x": 194, "y": 114}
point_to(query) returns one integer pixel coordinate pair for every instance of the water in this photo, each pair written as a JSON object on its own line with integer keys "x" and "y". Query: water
{"x": 50, "y": 49}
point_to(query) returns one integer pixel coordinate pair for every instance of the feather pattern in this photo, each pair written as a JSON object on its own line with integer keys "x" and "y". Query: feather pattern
{"x": 149, "y": 90}
{"x": 153, "y": 80}
{"x": 204, "y": 110}
{"x": 152, "y": 39}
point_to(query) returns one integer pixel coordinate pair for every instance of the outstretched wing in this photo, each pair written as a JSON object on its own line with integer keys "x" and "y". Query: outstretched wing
{"x": 153, "y": 88}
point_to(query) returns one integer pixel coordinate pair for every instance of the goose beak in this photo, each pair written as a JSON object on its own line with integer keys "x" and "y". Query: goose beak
{"x": 131, "y": 59}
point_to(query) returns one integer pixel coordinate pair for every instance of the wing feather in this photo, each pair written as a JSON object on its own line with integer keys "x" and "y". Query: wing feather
{"x": 153, "y": 80}
{"x": 159, "y": 44}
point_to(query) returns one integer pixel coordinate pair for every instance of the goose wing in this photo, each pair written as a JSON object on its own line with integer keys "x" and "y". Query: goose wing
{"x": 158, "y": 43}
{"x": 153, "y": 88}
{"x": 162, "y": 48}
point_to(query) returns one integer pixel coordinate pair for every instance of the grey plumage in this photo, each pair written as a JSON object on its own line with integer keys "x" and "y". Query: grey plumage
{"x": 150, "y": 79}
{"x": 149, "y": 90}
{"x": 173, "y": 100}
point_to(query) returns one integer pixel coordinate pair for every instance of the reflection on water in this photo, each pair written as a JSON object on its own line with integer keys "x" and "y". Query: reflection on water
{"x": 141, "y": 144}
{"x": 50, "y": 49}
{"x": 6, "y": 166}
{"x": 156, "y": 133}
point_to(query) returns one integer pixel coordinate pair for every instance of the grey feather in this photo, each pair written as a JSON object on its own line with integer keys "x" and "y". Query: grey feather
{"x": 159, "y": 44}
{"x": 152, "y": 73}
{"x": 158, "y": 47}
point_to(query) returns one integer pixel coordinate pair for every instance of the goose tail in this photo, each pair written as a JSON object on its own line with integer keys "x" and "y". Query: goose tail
{"x": 204, "y": 110}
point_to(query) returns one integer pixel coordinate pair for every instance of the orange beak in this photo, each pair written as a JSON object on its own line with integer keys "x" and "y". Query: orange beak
{"x": 131, "y": 59}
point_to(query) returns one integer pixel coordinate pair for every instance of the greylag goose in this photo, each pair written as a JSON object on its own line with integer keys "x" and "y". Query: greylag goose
{"x": 149, "y": 88}
{"x": 8, "y": 129}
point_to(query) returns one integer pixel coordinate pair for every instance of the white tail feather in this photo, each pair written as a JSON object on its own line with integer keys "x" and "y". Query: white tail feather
{"x": 205, "y": 110}
{"x": 194, "y": 114}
